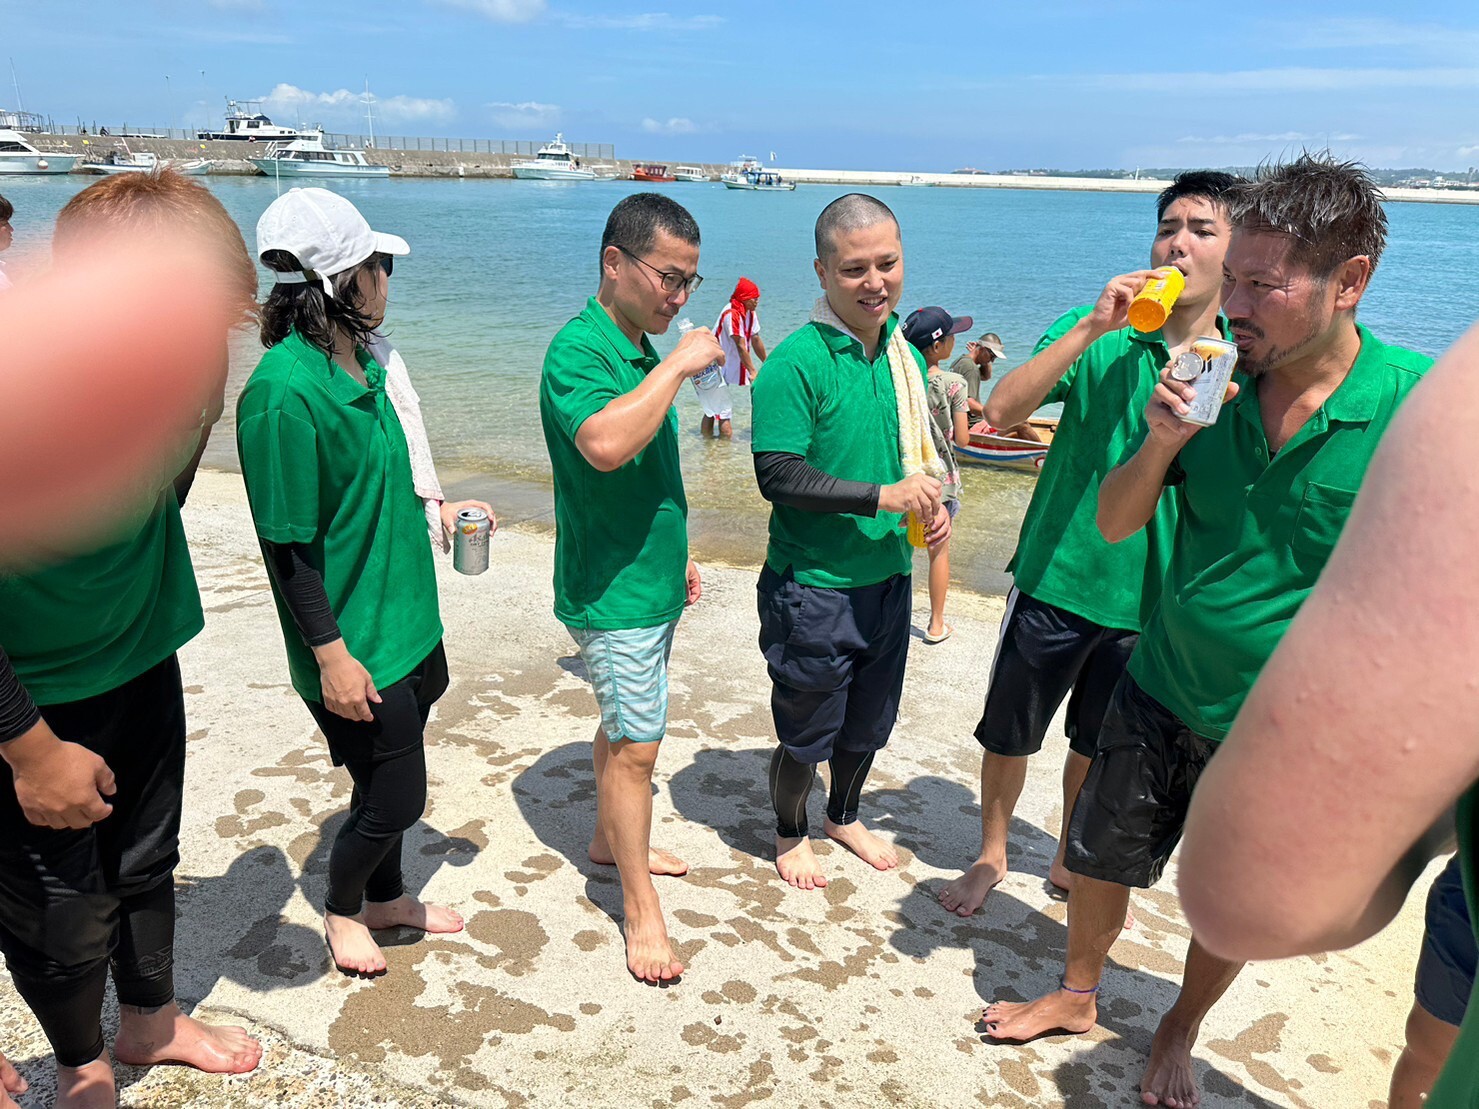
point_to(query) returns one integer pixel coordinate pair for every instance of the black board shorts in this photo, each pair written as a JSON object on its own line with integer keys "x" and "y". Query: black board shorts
{"x": 1446, "y": 966}
{"x": 1132, "y": 808}
{"x": 1046, "y": 653}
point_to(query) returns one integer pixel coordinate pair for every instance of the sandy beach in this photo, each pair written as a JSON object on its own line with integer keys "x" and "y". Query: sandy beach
{"x": 864, "y": 994}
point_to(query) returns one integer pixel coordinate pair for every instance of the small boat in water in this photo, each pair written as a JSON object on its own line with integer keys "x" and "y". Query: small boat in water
{"x": 605, "y": 171}
{"x": 690, "y": 173}
{"x": 554, "y": 162}
{"x": 915, "y": 181}
{"x": 651, "y": 171}
{"x": 18, "y": 155}
{"x": 758, "y": 181}
{"x": 246, "y": 123}
{"x": 125, "y": 160}
{"x": 310, "y": 158}
{"x": 988, "y": 448}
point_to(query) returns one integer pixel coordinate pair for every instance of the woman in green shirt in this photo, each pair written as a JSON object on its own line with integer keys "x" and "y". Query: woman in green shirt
{"x": 342, "y": 493}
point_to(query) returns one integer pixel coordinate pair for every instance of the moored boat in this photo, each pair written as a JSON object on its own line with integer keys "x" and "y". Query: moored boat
{"x": 690, "y": 173}
{"x": 992, "y": 449}
{"x": 758, "y": 181}
{"x": 554, "y": 162}
{"x": 651, "y": 171}
{"x": 310, "y": 158}
{"x": 246, "y": 123}
{"x": 18, "y": 155}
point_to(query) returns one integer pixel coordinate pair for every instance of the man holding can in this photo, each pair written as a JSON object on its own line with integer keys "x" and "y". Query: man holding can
{"x": 1265, "y": 492}
{"x": 1077, "y": 603}
{"x": 622, "y": 571}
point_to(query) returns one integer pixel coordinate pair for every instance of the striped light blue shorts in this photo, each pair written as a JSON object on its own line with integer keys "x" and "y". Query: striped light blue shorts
{"x": 628, "y": 671}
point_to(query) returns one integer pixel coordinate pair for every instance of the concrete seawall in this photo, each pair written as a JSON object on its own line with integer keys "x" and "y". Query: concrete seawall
{"x": 231, "y": 158}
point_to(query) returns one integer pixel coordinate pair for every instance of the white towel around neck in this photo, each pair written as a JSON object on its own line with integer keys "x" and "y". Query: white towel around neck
{"x": 408, "y": 409}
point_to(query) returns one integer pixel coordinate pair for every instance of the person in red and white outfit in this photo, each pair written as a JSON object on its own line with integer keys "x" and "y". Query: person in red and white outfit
{"x": 738, "y": 330}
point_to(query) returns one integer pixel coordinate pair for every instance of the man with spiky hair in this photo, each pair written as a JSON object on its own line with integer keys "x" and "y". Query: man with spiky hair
{"x": 1265, "y": 492}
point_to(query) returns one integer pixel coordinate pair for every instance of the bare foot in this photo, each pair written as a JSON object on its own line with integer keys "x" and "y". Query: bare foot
{"x": 350, "y": 943}
{"x": 89, "y": 1087}
{"x": 407, "y": 912}
{"x": 650, "y": 955}
{"x": 11, "y": 1082}
{"x": 1169, "y": 1079}
{"x": 169, "y": 1036}
{"x": 863, "y": 843}
{"x": 658, "y": 860}
{"x": 968, "y": 892}
{"x": 1058, "y": 1012}
{"x": 796, "y": 863}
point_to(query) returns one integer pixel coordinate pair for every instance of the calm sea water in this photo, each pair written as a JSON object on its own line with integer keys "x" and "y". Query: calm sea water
{"x": 498, "y": 266}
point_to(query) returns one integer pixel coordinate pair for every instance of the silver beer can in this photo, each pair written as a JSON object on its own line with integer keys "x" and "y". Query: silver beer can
{"x": 1208, "y": 367}
{"x": 470, "y": 543}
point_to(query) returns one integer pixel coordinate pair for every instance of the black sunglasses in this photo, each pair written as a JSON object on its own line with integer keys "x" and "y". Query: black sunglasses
{"x": 672, "y": 280}
{"x": 387, "y": 263}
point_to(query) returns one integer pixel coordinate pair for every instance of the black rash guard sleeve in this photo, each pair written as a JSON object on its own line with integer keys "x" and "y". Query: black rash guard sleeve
{"x": 790, "y": 480}
{"x": 18, "y": 713}
{"x": 302, "y": 589}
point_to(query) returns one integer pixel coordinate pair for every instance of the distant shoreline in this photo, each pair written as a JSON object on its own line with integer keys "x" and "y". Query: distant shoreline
{"x": 229, "y": 158}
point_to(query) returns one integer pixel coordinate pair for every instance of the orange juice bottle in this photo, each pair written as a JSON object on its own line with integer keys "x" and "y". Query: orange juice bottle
{"x": 916, "y": 530}
{"x": 1152, "y": 304}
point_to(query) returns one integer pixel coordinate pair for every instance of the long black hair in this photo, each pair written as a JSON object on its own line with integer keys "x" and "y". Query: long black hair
{"x": 303, "y": 306}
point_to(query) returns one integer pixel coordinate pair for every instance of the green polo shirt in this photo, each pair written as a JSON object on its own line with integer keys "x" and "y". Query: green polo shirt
{"x": 1255, "y": 533}
{"x": 87, "y": 625}
{"x": 621, "y": 538}
{"x": 1061, "y": 556}
{"x": 326, "y": 466}
{"x": 821, "y": 398}
{"x": 1458, "y": 1085}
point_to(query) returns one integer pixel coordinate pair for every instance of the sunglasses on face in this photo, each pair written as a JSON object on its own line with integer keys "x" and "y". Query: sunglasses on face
{"x": 387, "y": 263}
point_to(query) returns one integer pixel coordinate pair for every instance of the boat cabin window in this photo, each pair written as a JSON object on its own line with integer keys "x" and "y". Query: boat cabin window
{"x": 12, "y": 147}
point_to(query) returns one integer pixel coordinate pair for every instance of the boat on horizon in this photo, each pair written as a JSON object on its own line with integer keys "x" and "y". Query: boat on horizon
{"x": 691, "y": 173}
{"x": 758, "y": 181}
{"x": 308, "y": 157}
{"x": 651, "y": 171}
{"x": 554, "y": 162}
{"x": 245, "y": 122}
{"x": 18, "y": 155}
{"x": 992, "y": 449}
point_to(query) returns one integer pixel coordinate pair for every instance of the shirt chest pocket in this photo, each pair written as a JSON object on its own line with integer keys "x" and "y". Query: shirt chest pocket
{"x": 1322, "y": 514}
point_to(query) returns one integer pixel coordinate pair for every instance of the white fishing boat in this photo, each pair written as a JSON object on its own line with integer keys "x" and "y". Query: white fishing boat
{"x": 758, "y": 181}
{"x": 125, "y": 160}
{"x": 554, "y": 162}
{"x": 18, "y": 155}
{"x": 741, "y": 168}
{"x": 246, "y": 123}
{"x": 605, "y": 171}
{"x": 309, "y": 157}
{"x": 914, "y": 181}
{"x": 690, "y": 173}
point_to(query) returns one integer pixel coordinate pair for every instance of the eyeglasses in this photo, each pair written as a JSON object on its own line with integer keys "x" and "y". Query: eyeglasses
{"x": 672, "y": 280}
{"x": 387, "y": 263}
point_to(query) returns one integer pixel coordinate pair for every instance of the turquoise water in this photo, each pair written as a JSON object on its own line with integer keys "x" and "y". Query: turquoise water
{"x": 497, "y": 266}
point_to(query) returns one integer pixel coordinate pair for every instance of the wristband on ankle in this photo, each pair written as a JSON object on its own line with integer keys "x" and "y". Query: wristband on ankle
{"x": 1063, "y": 985}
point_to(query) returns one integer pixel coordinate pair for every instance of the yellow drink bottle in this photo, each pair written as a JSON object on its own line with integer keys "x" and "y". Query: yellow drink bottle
{"x": 916, "y": 530}
{"x": 1152, "y": 304}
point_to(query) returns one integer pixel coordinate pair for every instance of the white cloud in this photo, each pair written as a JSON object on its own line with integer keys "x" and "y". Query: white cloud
{"x": 341, "y": 105}
{"x": 1376, "y": 33}
{"x": 499, "y": 11}
{"x": 644, "y": 21}
{"x": 526, "y": 114}
{"x": 678, "y": 125}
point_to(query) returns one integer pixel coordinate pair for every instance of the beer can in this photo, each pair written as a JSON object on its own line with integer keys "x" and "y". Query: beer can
{"x": 470, "y": 543}
{"x": 1208, "y": 367}
{"x": 1153, "y": 303}
{"x": 915, "y": 530}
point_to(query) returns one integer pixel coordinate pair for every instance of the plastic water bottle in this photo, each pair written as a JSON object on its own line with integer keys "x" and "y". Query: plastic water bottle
{"x": 712, "y": 392}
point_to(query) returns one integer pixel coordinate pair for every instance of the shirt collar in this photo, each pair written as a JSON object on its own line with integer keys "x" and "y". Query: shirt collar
{"x": 626, "y": 350}
{"x": 341, "y": 385}
{"x": 1355, "y": 399}
{"x": 839, "y": 339}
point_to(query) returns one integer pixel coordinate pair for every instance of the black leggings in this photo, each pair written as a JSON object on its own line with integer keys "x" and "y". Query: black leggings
{"x": 387, "y": 763}
{"x": 791, "y": 781}
{"x": 72, "y": 901}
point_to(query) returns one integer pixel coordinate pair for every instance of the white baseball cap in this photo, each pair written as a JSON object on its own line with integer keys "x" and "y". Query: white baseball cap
{"x": 325, "y": 232}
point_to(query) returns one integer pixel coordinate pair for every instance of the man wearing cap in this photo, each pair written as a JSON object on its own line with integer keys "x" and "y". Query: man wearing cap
{"x": 842, "y": 452}
{"x": 975, "y": 366}
{"x": 1077, "y": 601}
{"x": 738, "y": 329}
{"x": 622, "y": 571}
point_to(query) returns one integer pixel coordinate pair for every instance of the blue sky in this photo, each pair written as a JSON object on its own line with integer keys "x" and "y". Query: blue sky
{"x": 1058, "y": 83}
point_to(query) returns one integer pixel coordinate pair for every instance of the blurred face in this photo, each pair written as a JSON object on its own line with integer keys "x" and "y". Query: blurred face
{"x": 863, "y": 276}
{"x": 1193, "y": 236}
{"x": 982, "y": 355}
{"x": 7, "y": 234}
{"x": 751, "y": 304}
{"x": 1278, "y": 310}
{"x": 636, "y": 294}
